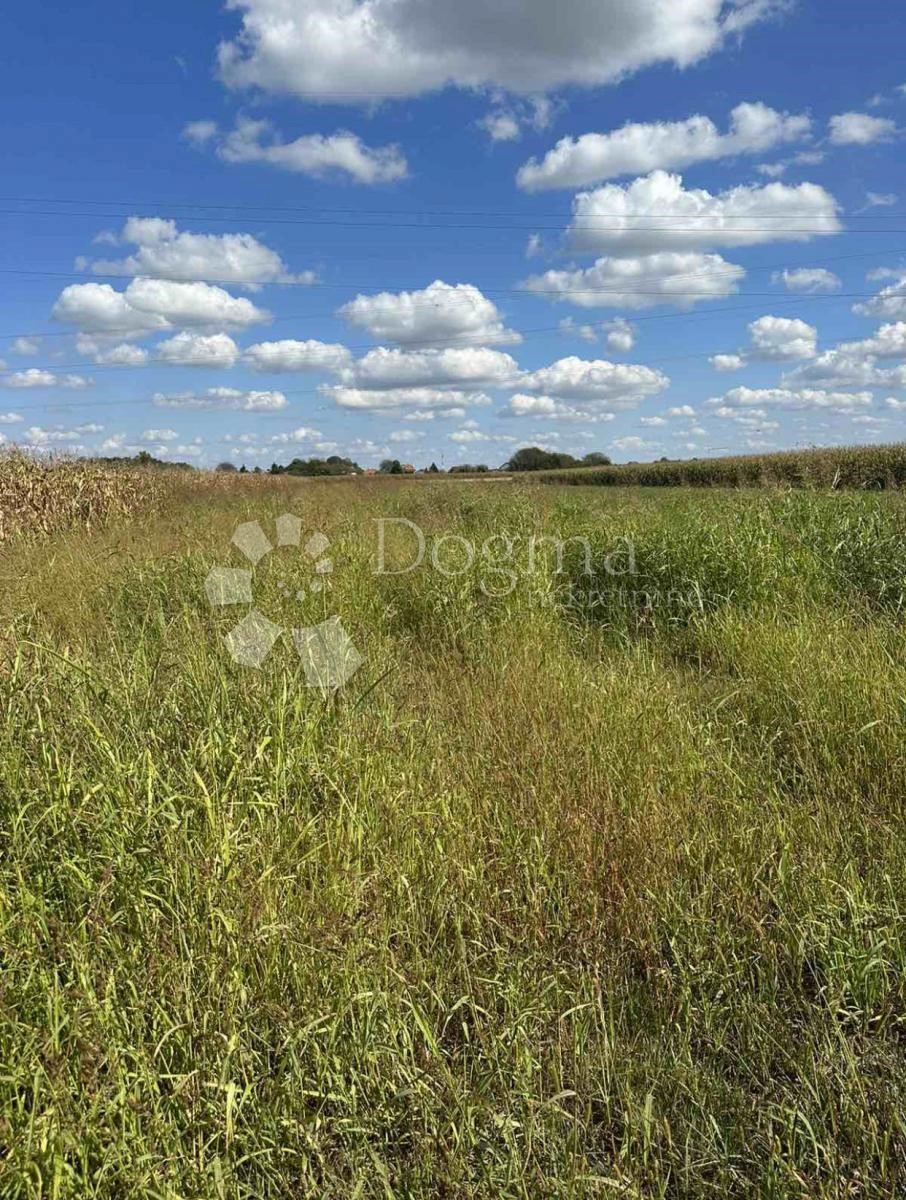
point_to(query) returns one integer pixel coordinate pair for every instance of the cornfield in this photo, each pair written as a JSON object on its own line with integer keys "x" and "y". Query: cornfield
{"x": 866, "y": 467}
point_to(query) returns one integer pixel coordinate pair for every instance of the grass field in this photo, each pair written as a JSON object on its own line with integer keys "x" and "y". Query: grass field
{"x": 585, "y": 885}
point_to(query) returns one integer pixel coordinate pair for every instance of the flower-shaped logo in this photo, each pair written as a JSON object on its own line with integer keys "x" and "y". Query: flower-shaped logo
{"x": 329, "y": 658}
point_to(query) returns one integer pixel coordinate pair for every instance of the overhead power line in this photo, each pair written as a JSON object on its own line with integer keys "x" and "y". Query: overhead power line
{"x": 413, "y": 212}
{"x": 532, "y": 228}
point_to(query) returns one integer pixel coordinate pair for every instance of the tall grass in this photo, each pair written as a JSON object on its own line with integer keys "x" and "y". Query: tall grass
{"x": 553, "y": 900}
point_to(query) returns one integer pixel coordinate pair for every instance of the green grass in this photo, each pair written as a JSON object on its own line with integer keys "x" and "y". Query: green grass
{"x": 555, "y": 899}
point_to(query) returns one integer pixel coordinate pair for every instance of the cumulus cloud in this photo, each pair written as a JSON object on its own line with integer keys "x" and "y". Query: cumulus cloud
{"x": 860, "y": 129}
{"x": 551, "y": 409}
{"x": 421, "y": 400}
{"x": 159, "y": 435}
{"x": 889, "y": 302}
{"x": 596, "y": 381}
{"x": 35, "y": 377}
{"x": 727, "y": 362}
{"x": 97, "y": 308}
{"x": 148, "y": 305}
{"x": 122, "y": 354}
{"x": 193, "y": 303}
{"x": 26, "y": 346}
{"x": 808, "y": 280}
{"x": 855, "y": 364}
{"x": 619, "y": 335}
{"x": 384, "y": 368}
{"x": 657, "y": 212}
{"x": 198, "y": 350}
{"x": 439, "y": 312}
{"x": 793, "y": 398}
{"x": 339, "y": 154}
{"x": 11, "y": 418}
{"x": 165, "y": 251}
{"x": 222, "y": 398}
{"x": 291, "y": 355}
{"x": 782, "y": 338}
{"x": 667, "y": 277}
{"x": 373, "y": 49}
{"x": 636, "y": 149}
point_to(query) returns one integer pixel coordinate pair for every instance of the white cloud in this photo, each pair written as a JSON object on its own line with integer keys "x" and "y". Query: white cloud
{"x": 193, "y": 303}
{"x": 860, "y": 129}
{"x": 405, "y": 435}
{"x": 35, "y": 377}
{"x": 630, "y": 443}
{"x": 596, "y": 381}
{"x": 855, "y": 363}
{"x": 222, "y": 398}
{"x": 787, "y": 398}
{"x": 652, "y": 421}
{"x": 569, "y": 327}
{"x": 314, "y": 154}
{"x": 663, "y": 278}
{"x": 619, "y": 335}
{"x": 889, "y": 302}
{"x": 808, "y": 280}
{"x": 439, "y": 312}
{"x": 879, "y": 200}
{"x": 26, "y": 346}
{"x": 550, "y": 408}
{"x": 372, "y": 48}
{"x": 198, "y": 350}
{"x": 199, "y": 133}
{"x": 390, "y": 401}
{"x": 291, "y": 355}
{"x": 500, "y": 126}
{"x": 148, "y": 305}
{"x": 727, "y": 362}
{"x": 38, "y": 436}
{"x": 658, "y": 213}
{"x": 636, "y": 149}
{"x": 783, "y": 338}
{"x": 10, "y": 418}
{"x": 166, "y": 252}
{"x": 681, "y": 410}
{"x": 97, "y": 308}
{"x": 466, "y": 436}
{"x": 121, "y": 355}
{"x": 159, "y": 435}
{"x": 384, "y": 368}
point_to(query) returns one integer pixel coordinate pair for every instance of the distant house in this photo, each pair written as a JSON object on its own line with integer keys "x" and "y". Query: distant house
{"x": 408, "y": 469}
{"x": 370, "y": 471}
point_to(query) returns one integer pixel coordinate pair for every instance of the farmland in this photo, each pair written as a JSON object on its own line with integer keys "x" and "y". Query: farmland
{"x": 590, "y": 881}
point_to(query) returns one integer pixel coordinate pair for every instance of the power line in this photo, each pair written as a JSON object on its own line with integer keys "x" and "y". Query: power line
{"x": 533, "y": 228}
{"x": 619, "y": 289}
{"x": 319, "y": 208}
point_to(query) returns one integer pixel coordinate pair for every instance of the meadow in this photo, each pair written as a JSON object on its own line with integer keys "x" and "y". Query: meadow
{"x": 590, "y": 882}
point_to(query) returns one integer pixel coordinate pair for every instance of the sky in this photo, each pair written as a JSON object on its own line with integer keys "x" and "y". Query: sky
{"x": 438, "y": 232}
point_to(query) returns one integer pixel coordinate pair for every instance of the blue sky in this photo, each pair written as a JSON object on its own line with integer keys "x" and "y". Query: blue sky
{"x": 399, "y": 227}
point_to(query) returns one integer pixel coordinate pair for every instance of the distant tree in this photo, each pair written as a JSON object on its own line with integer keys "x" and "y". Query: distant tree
{"x": 533, "y": 458}
{"x": 226, "y": 466}
{"x": 243, "y": 470}
{"x": 276, "y": 469}
{"x": 433, "y": 469}
{"x": 391, "y": 466}
{"x": 257, "y": 471}
{"x": 595, "y": 459}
